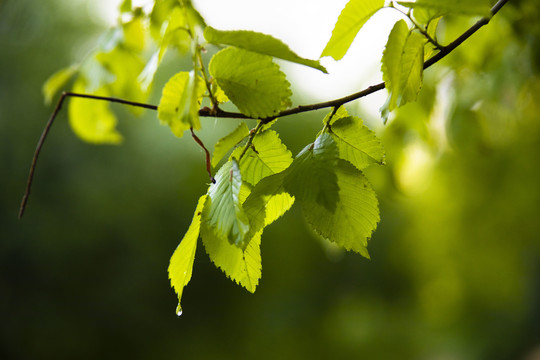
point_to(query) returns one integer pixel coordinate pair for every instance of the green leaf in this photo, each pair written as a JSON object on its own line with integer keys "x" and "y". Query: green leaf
{"x": 267, "y": 155}
{"x": 223, "y": 212}
{"x": 445, "y": 7}
{"x": 125, "y": 6}
{"x": 226, "y": 143}
{"x": 195, "y": 20}
{"x": 355, "y": 14}
{"x": 179, "y": 103}
{"x": 146, "y": 77}
{"x": 168, "y": 20}
{"x": 251, "y": 81}
{"x": 431, "y": 29}
{"x": 176, "y": 33}
{"x": 218, "y": 92}
{"x": 267, "y": 202}
{"x": 125, "y": 66}
{"x": 95, "y": 75}
{"x": 355, "y": 216}
{"x": 311, "y": 176}
{"x": 57, "y": 80}
{"x": 356, "y": 143}
{"x": 402, "y": 66}
{"x": 424, "y": 15}
{"x": 91, "y": 120}
{"x": 263, "y": 164}
{"x": 242, "y": 266}
{"x": 332, "y": 116}
{"x": 260, "y": 43}
{"x": 134, "y": 34}
{"x": 181, "y": 263}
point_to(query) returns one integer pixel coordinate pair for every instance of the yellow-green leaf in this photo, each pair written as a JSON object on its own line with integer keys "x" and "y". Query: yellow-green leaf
{"x": 355, "y": 216}
{"x": 223, "y": 212}
{"x": 181, "y": 263}
{"x": 260, "y": 43}
{"x": 253, "y": 82}
{"x": 57, "y": 81}
{"x": 267, "y": 155}
{"x": 267, "y": 202}
{"x": 311, "y": 176}
{"x": 402, "y": 66}
{"x": 134, "y": 34}
{"x": 355, "y": 14}
{"x": 92, "y": 120}
{"x": 125, "y": 66}
{"x": 356, "y": 143}
{"x": 225, "y": 144}
{"x": 444, "y": 7}
{"x": 179, "y": 104}
{"x": 242, "y": 266}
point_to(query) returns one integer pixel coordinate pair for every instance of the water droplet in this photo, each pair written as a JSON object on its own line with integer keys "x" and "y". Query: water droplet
{"x": 178, "y": 310}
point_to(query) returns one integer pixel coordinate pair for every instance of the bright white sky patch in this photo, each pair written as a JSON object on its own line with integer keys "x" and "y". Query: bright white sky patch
{"x": 306, "y": 26}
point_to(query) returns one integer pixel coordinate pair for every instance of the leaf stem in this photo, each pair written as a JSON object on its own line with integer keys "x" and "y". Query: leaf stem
{"x": 207, "y": 153}
{"x": 327, "y": 123}
{"x": 206, "y": 80}
{"x": 252, "y": 134}
{"x": 418, "y": 27}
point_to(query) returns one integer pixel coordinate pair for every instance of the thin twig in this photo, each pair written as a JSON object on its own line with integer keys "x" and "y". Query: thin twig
{"x": 252, "y": 134}
{"x": 417, "y": 26}
{"x": 48, "y": 127}
{"x": 206, "y": 80}
{"x": 208, "y": 162}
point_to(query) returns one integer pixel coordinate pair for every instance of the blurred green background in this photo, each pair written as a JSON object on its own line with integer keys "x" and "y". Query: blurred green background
{"x": 455, "y": 269}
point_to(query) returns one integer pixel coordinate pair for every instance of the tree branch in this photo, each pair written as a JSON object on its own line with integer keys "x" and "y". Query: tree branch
{"x": 47, "y": 128}
{"x": 218, "y": 113}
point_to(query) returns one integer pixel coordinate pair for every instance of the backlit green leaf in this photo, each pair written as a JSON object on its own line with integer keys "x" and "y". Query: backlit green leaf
{"x": 444, "y": 7}
{"x": 251, "y": 81}
{"x": 91, "y": 120}
{"x": 424, "y": 15}
{"x": 225, "y": 144}
{"x": 125, "y": 6}
{"x": 355, "y": 216}
{"x": 341, "y": 112}
{"x": 355, "y": 14}
{"x": 177, "y": 32}
{"x": 260, "y": 43}
{"x": 160, "y": 16}
{"x": 134, "y": 34}
{"x": 311, "y": 176}
{"x": 125, "y": 66}
{"x": 218, "y": 92}
{"x": 57, "y": 80}
{"x": 242, "y": 266}
{"x": 146, "y": 77}
{"x": 181, "y": 263}
{"x": 267, "y": 202}
{"x": 223, "y": 212}
{"x": 267, "y": 156}
{"x": 356, "y": 143}
{"x": 402, "y": 66}
{"x": 179, "y": 104}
